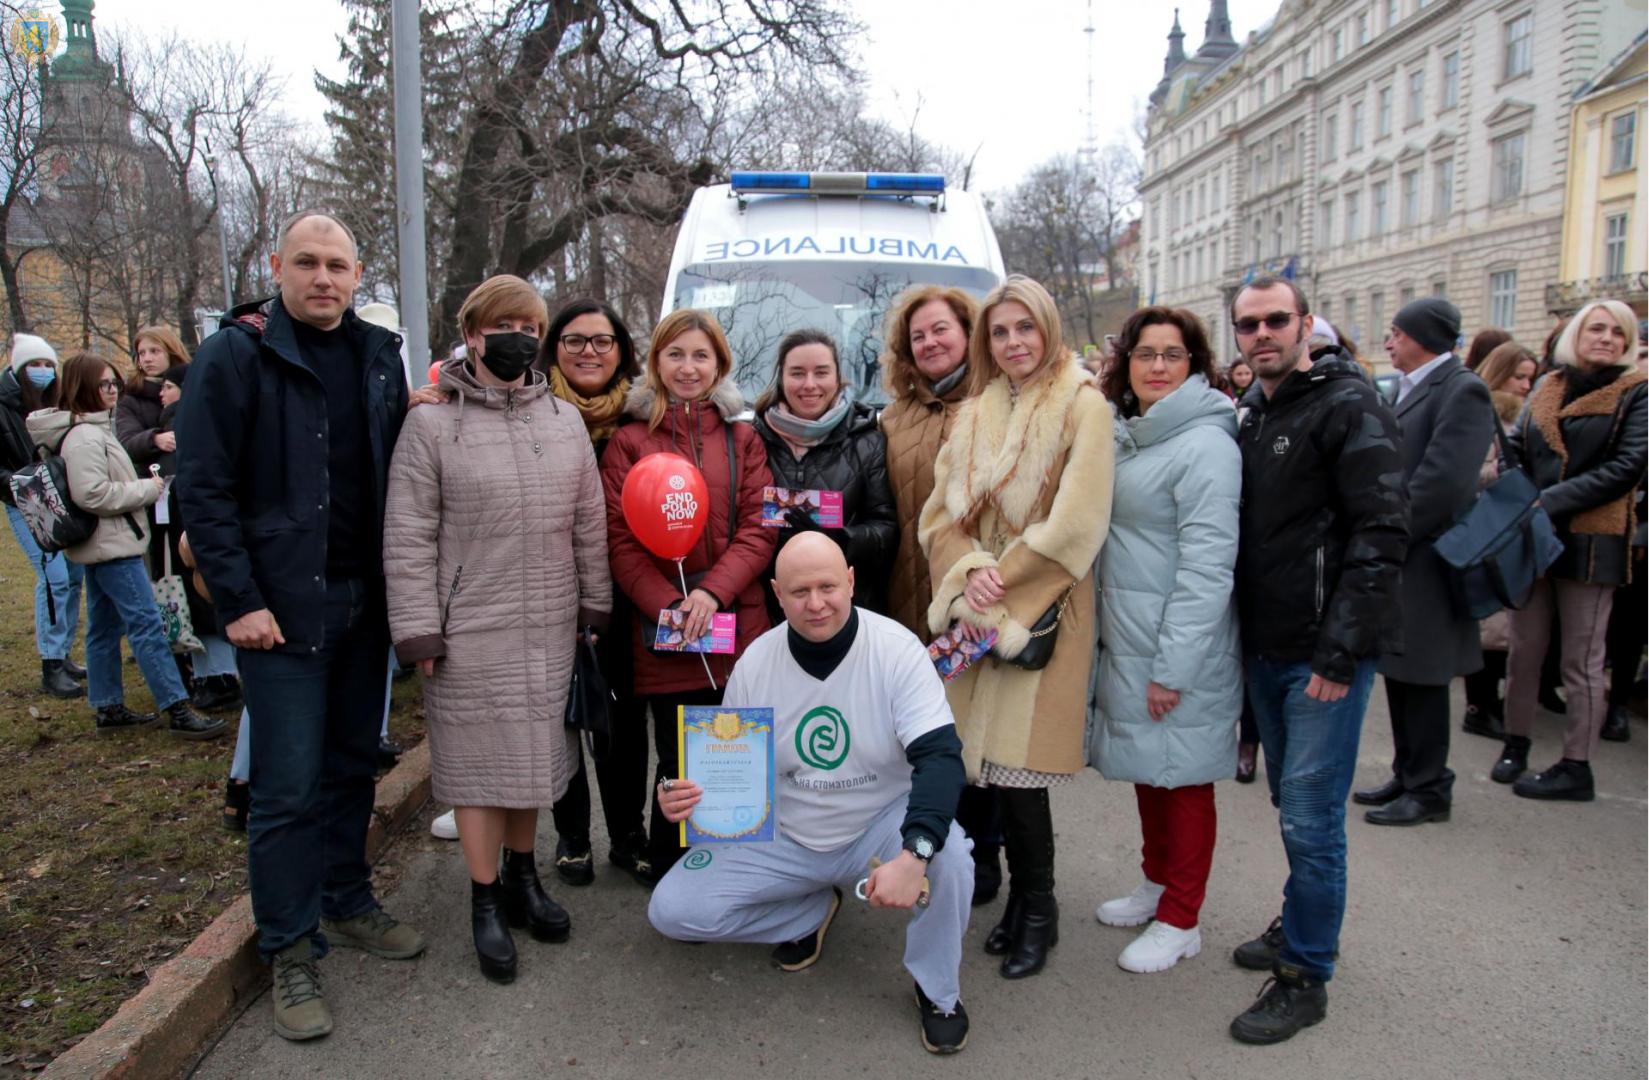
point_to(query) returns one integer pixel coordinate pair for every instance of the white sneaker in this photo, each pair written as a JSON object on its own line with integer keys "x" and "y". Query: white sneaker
{"x": 445, "y": 827}
{"x": 1160, "y": 948}
{"x": 1136, "y": 909}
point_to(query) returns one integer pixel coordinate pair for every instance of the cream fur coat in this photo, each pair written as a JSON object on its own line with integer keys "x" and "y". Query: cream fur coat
{"x": 1034, "y": 471}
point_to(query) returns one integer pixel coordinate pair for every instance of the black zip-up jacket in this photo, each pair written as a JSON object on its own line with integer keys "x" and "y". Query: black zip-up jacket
{"x": 1324, "y": 521}
{"x": 252, "y": 481}
{"x": 853, "y": 461}
{"x": 16, "y": 448}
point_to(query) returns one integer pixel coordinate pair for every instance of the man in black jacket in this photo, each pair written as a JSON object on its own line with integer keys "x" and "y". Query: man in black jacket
{"x": 1324, "y": 527}
{"x": 1447, "y": 422}
{"x": 288, "y": 427}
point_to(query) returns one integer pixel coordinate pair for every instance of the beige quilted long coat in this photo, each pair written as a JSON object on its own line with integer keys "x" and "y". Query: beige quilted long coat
{"x": 495, "y": 551}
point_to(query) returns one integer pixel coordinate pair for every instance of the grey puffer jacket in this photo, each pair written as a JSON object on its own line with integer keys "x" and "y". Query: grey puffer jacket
{"x": 495, "y": 552}
{"x": 1167, "y": 614}
{"x": 102, "y": 480}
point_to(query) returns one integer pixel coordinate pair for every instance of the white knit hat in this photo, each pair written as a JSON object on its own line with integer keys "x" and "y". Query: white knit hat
{"x": 27, "y": 347}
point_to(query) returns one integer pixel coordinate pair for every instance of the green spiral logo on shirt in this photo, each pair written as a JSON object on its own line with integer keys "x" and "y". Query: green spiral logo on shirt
{"x": 822, "y": 738}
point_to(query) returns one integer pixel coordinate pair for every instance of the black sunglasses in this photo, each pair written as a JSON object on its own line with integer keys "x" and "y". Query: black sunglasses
{"x": 1277, "y": 320}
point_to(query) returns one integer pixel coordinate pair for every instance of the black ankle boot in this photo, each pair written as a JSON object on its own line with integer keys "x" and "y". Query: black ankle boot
{"x": 494, "y": 947}
{"x": 112, "y": 719}
{"x": 526, "y": 903}
{"x": 1001, "y": 935}
{"x": 55, "y": 681}
{"x": 186, "y": 723}
{"x": 1514, "y": 760}
{"x": 987, "y": 873}
{"x": 1568, "y": 779}
{"x": 1037, "y": 932}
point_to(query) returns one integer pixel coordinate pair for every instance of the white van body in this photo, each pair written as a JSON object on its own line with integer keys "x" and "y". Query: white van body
{"x": 766, "y": 264}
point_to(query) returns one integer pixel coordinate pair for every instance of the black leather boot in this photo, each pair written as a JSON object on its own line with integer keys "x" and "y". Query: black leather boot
{"x": 526, "y": 904}
{"x": 112, "y": 719}
{"x": 494, "y": 947}
{"x": 186, "y": 723}
{"x": 1617, "y": 726}
{"x": 74, "y": 670}
{"x": 1001, "y": 935}
{"x": 55, "y": 680}
{"x": 987, "y": 873}
{"x": 1037, "y": 932}
{"x": 1514, "y": 760}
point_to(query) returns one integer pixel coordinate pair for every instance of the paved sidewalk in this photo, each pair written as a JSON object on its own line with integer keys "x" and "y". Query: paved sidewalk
{"x": 1508, "y": 942}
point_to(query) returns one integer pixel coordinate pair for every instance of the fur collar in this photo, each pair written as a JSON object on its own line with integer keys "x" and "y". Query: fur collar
{"x": 638, "y": 403}
{"x": 1547, "y": 411}
{"x": 1007, "y": 445}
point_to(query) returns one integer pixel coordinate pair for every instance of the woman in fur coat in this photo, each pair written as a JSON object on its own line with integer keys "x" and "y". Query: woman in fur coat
{"x": 1020, "y": 506}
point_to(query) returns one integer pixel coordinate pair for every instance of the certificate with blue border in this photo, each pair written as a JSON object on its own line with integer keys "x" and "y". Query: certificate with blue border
{"x": 729, "y": 754}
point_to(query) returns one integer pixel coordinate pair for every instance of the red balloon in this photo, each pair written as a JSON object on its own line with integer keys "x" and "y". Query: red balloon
{"x": 666, "y": 504}
{"x": 435, "y": 373}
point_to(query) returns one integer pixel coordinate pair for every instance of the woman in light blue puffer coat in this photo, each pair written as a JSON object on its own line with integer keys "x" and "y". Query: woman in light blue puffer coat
{"x": 1168, "y": 687}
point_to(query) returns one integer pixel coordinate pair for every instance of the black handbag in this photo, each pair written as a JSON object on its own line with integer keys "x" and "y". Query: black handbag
{"x": 1044, "y": 633}
{"x": 1500, "y": 546}
{"x": 589, "y": 699}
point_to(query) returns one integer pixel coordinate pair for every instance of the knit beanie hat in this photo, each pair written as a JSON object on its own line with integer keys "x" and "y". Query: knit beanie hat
{"x": 1432, "y": 322}
{"x": 175, "y": 375}
{"x": 27, "y": 347}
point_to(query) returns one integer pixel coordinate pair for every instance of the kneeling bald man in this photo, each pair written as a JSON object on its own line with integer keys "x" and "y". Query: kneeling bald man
{"x": 890, "y": 796}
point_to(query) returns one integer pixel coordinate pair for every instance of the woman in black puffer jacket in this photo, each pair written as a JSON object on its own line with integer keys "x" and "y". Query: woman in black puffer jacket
{"x": 819, "y": 437}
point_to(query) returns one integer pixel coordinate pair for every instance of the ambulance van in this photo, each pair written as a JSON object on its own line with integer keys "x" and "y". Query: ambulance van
{"x": 772, "y": 252}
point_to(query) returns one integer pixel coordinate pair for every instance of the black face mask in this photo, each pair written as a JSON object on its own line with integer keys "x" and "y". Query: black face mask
{"x": 509, "y": 354}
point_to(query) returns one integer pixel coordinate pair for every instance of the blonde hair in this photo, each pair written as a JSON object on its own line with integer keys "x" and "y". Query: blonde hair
{"x": 503, "y": 296}
{"x": 1044, "y": 313}
{"x": 899, "y": 371}
{"x": 167, "y": 339}
{"x": 1564, "y": 352}
{"x": 669, "y": 328}
{"x": 1501, "y": 364}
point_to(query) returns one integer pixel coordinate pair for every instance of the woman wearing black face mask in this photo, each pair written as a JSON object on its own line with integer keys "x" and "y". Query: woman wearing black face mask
{"x": 495, "y": 551}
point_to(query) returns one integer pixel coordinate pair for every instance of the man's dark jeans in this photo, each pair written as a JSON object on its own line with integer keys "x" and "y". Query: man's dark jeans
{"x": 314, "y": 721}
{"x": 1310, "y": 759}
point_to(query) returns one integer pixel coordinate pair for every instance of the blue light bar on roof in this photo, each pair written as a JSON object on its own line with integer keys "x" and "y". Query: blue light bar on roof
{"x": 770, "y": 181}
{"x": 930, "y": 183}
{"x": 827, "y": 183}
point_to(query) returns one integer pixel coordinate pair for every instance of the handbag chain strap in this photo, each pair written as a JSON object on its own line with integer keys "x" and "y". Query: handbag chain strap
{"x": 1063, "y": 602}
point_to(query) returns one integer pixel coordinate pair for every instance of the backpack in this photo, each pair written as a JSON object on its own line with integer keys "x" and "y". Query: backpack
{"x": 41, "y": 494}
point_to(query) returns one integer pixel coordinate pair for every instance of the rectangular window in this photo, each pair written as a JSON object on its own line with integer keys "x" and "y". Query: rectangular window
{"x": 1451, "y": 80}
{"x": 1411, "y": 198}
{"x": 1443, "y": 190}
{"x": 1217, "y": 198}
{"x": 1199, "y": 265}
{"x": 1439, "y": 287}
{"x": 1503, "y": 299}
{"x": 1336, "y": 45}
{"x": 1262, "y": 93}
{"x": 1508, "y": 167}
{"x": 1382, "y": 113}
{"x": 1325, "y": 220}
{"x": 1305, "y": 64}
{"x": 1331, "y": 136}
{"x": 1519, "y": 46}
{"x": 1404, "y": 295}
{"x": 1623, "y": 141}
{"x": 1325, "y": 308}
{"x": 1377, "y": 216}
{"x": 1392, "y": 14}
{"x": 1156, "y": 216}
{"x": 1362, "y": 29}
{"x": 1354, "y": 140}
{"x": 1202, "y": 199}
{"x": 1350, "y": 317}
{"x": 1614, "y": 246}
{"x": 1277, "y": 82}
{"x": 1417, "y": 95}
{"x": 1354, "y": 217}
{"x": 1377, "y": 314}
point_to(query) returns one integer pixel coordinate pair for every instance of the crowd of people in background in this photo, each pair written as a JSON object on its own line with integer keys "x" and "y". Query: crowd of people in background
{"x": 1182, "y": 574}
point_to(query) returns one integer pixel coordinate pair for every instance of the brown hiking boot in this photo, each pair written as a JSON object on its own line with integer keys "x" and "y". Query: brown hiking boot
{"x": 300, "y": 1010}
{"x": 374, "y": 931}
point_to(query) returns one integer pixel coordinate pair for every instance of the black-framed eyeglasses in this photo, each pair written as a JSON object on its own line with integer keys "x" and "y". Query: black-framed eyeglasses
{"x": 1277, "y": 320}
{"x": 601, "y": 343}
{"x": 1149, "y": 356}
{"x": 108, "y": 384}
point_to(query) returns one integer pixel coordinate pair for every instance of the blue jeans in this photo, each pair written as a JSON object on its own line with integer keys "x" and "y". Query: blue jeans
{"x": 59, "y": 580}
{"x": 240, "y": 767}
{"x": 1310, "y": 759}
{"x": 219, "y": 658}
{"x": 313, "y": 726}
{"x": 121, "y": 602}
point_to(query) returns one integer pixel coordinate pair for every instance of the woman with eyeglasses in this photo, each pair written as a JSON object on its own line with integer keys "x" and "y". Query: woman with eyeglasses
{"x": 119, "y": 599}
{"x": 1168, "y": 688}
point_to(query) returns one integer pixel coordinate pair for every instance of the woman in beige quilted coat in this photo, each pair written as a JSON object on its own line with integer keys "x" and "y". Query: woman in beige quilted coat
{"x": 495, "y": 551}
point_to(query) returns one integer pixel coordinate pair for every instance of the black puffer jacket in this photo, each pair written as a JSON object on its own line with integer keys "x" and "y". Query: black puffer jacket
{"x": 1324, "y": 521}
{"x": 853, "y": 461}
{"x": 1586, "y": 455}
{"x": 137, "y": 422}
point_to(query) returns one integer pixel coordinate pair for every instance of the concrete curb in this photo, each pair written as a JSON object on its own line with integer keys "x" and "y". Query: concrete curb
{"x": 160, "y": 1032}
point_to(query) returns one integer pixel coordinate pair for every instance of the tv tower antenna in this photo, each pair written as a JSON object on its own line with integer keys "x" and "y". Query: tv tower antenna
{"x": 1090, "y": 141}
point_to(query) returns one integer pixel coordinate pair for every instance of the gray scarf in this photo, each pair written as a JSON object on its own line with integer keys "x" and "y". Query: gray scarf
{"x": 950, "y": 382}
{"x": 810, "y": 433}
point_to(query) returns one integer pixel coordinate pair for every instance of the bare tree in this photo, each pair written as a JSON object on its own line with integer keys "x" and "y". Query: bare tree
{"x": 20, "y": 100}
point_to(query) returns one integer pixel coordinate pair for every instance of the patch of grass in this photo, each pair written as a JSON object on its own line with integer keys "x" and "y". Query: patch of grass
{"x": 112, "y": 855}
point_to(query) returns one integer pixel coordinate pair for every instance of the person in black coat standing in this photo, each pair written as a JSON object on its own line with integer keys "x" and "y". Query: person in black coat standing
{"x": 1448, "y": 421}
{"x": 819, "y": 437}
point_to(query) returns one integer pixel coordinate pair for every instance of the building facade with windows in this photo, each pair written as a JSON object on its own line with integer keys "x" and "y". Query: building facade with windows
{"x": 1375, "y": 151}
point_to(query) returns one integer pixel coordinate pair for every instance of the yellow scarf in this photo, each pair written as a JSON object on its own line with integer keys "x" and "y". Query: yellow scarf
{"x": 602, "y": 413}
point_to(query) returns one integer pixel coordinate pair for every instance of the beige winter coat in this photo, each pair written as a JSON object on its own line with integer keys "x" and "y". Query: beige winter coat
{"x": 495, "y": 552}
{"x": 916, "y": 426}
{"x": 102, "y": 480}
{"x": 1037, "y": 472}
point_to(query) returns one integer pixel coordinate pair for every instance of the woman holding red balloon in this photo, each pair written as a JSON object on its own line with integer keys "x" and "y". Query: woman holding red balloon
{"x": 686, "y": 534}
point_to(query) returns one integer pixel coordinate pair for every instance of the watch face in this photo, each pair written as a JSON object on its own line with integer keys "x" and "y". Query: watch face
{"x": 923, "y": 847}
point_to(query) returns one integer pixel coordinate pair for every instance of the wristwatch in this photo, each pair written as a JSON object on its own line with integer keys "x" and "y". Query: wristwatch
{"x": 919, "y": 846}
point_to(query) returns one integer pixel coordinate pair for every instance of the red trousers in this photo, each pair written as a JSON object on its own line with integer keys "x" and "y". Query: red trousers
{"x": 1178, "y": 824}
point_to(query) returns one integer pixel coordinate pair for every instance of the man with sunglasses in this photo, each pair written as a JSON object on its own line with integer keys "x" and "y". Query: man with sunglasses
{"x": 1324, "y": 529}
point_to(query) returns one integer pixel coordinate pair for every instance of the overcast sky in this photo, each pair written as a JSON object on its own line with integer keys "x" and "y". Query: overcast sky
{"x": 1009, "y": 79}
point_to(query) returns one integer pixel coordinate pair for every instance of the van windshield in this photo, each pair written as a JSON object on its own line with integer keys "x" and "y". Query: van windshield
{"x": 758, "y": 303}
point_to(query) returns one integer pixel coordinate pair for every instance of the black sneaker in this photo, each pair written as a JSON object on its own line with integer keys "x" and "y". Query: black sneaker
{"x": 186, "y": 723}
{"x": 630, "y": 854}
{"x": 389, "y": 753}
{"x": 1288, "y": 1002}
{"x": 574, "y": 864}
{"x": 804, "y": 952}
{"x": 1569, "y": 780}
{"x": 942, "y": 1032}
{"x": 1261, "y": 953}
{"x": 113, "y": 719}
